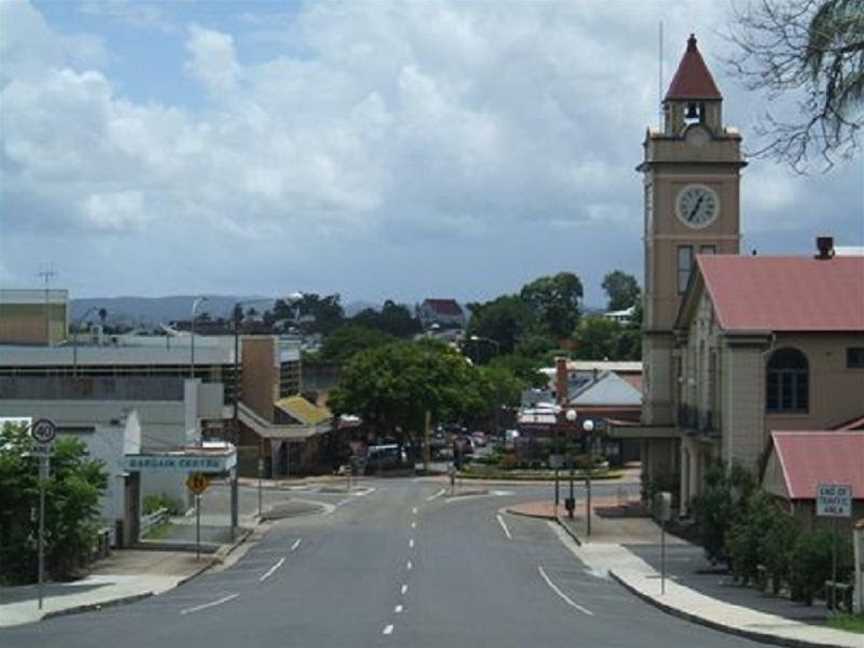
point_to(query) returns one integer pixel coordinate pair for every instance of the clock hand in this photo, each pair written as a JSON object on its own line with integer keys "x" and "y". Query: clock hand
{"x": 695, "y": 208}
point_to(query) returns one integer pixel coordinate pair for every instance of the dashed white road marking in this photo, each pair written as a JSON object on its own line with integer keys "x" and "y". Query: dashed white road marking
{"x": 436, "y": 495}
{"x": 413, "y": 525}
{"x": 409, "y": 565}
{"x": 414, "y": 510}
{"x": 504, "y": 526}
{"x": 296, "y": 544}
{"x": 220, "y": 601}
{"x": 404, "y": 588}
{"x": 563, "y": 596}
{"x": 411, "y": 543}
{"x": 270, "y": 571}
{"x": 398, "y": 609}
{"x": 388, "y": 629}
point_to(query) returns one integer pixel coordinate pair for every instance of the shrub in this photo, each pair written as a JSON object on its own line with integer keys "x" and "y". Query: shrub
{"x": 775, "y": 546}
{"x": 764, "y": 535}
{"x": 719, "y": 507}
{"x": 509, "y": 462}
{"x": 810, "y": 564}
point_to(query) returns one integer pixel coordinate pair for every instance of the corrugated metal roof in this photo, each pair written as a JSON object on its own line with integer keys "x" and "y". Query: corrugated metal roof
{"x": 809, "y": 458}
{"x": 304, "y": 411}
{"x": 609, "y": 389}
{"x": 692, "y": 79}
{"x": 785, "y": 293}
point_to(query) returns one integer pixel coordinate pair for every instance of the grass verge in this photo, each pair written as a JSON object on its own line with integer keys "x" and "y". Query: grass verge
{"x": 848, "y": 622}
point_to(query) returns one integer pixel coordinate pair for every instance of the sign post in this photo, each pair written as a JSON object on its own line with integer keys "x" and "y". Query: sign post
{"x": 43, "y": 433}
{"x": 664, "y": 514}
{"x": 834, "y": 501}
{"x": 197, "y": 483}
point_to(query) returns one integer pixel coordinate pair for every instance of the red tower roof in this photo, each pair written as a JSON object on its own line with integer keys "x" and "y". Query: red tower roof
{"x": 692, "y": 80}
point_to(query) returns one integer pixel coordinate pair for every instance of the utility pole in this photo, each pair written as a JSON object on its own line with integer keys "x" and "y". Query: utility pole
{"x": 47, "y": 275}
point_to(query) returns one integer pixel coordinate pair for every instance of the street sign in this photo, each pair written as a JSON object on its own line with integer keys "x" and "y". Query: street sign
{"x": 197, "y": 483}
{"x": 43, "y": 431}
{"x": 834, "y": 500}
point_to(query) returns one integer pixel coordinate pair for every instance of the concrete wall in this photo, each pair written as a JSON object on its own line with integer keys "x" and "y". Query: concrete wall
{"x": 33, "y": 323}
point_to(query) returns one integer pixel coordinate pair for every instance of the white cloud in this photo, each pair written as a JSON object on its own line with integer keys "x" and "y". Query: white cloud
{"x": 214, "y": 61}
{"x": 380, "y": 125}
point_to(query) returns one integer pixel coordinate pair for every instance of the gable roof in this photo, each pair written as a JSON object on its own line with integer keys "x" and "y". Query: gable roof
{"x": 692, "y": 80}
{"x": 608, "y": 389}
{"x": 444, "y": 306}
{"x": 785, "y": 293}
{"x": 811, "y": 458}
{"x": 301, "y": 409}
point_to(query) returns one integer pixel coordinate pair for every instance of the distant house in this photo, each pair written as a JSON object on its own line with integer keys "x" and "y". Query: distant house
{"x": 623, "y": 317}
{"x": 446, "y": 313}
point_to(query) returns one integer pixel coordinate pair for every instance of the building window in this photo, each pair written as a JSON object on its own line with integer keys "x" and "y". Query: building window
{"x": 787, "y": 381}
{"x": 685, "y": 265}
{"x": 855, "y": 358}
{"x": 708, "y": 249}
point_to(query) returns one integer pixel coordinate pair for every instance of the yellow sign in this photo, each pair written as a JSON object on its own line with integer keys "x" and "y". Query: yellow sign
{"x": 197, "y": 483}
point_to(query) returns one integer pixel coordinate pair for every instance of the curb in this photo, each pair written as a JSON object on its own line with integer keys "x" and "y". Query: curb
{"x": 762, "y": 637}
{"x": 568, "y": 531}
{"x": 89, "y": 607}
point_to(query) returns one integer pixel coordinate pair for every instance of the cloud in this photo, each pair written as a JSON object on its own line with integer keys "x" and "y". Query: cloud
{"x": 362, "y": 127}
{"x": 131, "y": 12}
{"x": 214, "y": 61}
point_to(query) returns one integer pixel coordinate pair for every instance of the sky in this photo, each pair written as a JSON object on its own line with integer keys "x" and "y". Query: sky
{"x": 374, "y": 149}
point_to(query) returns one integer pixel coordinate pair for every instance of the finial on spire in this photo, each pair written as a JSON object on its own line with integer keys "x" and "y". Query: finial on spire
{"x": 691, "y": 43}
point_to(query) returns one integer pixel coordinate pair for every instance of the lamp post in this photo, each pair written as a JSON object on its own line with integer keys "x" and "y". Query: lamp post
{"x": 571, "y": 416}
{"x": 480, "y": 338}
{"x": 75, "y": 339}
{"x": 588, "y": 427}
{"x": 195, "y": 304}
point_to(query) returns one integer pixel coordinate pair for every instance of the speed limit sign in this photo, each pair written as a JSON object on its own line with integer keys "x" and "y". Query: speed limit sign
{"x": 43, "y": 431}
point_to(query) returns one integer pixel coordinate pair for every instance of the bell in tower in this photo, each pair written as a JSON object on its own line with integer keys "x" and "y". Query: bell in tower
{"x": 693, "y": 97}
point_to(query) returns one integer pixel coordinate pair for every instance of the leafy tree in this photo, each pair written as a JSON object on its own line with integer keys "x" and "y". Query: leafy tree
{"x": 327, "y": 312}
{"x": 346, "y": 341}
{"x": 596, "y": 338}
{"x": 394, "y": 319}
{"x": 103, "y": 315}
{"x": 622, "y": 289}
{"x": 810, "y": 563}
{"x": 812, "y": 50}
{"x": 392, "y": 387}
{"x": 71, "y": 513}
{"x": 506, "y": 319}
{"x": 523, "y": 367}
{"x": 555, "y": 302}
{"x": 718, "y": 508}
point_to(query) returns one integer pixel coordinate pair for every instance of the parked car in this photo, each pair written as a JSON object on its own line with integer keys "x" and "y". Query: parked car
{"x": 385, "y": 457}
{"x": 479, "y": 439}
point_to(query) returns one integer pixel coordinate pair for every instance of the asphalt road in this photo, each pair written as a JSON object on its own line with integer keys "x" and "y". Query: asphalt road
{"x": 400, "y": 566}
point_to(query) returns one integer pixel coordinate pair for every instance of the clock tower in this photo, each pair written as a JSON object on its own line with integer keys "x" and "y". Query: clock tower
{"x": 691, "y": 172}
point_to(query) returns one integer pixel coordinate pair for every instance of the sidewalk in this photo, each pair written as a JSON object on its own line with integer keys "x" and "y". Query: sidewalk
{"x": 125, "y": 576}
{"x": 627, "y": 550}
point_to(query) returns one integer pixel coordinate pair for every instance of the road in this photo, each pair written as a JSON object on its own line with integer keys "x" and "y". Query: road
{"x": 403, "y": 565}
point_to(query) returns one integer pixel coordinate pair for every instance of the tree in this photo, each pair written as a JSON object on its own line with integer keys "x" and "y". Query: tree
{"x": 812, "y": 50}
{"x": 326, "y": 312}
{"x": 346, "y": 341}
{"x": 524, "y": 368}
{"x": 597, "y": 338}
{"x": 393, "y": 386}
{"x": 103, "y": 315}
{"x": 555, "y": 302}
{"x": 622, "y": 289}
{"x": 72, "y": 506}
{"x": 394, "y": 319}
{"x": 717, "y": 509}
{"x": 506, "y": 320}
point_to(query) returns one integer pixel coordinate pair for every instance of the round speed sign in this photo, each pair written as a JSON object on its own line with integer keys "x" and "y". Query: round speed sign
{"x": 43, "y": 431}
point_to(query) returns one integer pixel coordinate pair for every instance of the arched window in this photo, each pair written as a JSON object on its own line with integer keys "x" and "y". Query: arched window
{"x": 787, "y": 383}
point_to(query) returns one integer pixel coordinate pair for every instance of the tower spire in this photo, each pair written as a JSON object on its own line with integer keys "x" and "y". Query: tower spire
{"x": 692, "y": 79}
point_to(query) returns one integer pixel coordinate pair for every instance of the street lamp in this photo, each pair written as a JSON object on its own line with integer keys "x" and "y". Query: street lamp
{"x": 92, "y": 309}
{"x": 570, "y": 504}
{"x": 588, "y": 427}
{"x": 195, "y": 304}
{"x": 480, "y": 338}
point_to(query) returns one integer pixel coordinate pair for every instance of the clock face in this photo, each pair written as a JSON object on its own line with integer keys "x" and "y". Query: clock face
{"x": 697, "y": 206}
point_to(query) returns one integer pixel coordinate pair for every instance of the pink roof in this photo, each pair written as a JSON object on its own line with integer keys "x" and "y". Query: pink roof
{"x": 822, "y": 457}
{"x": 853, "y": 424}
{"x": 785, "y": 293}
{"x": 692, "y": 80}
{"x": 444, "y": 306}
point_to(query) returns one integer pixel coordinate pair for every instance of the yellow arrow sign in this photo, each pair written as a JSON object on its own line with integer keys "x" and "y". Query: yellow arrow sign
{"x": 197, "y": 483}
